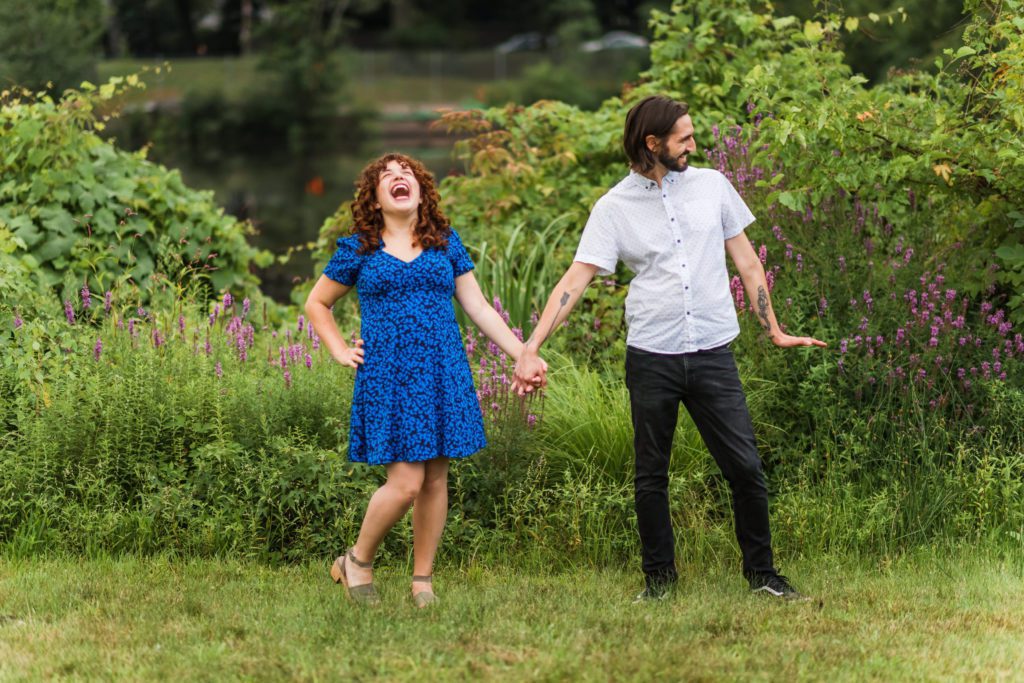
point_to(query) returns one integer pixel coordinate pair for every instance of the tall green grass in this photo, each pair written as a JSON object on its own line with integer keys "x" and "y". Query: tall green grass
{"x": 521, "y": 268}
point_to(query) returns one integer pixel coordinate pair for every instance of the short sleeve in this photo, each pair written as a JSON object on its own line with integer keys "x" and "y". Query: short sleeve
{"x": 598, "y": 244}
{"x": 457, "y": 254}
{"x": 344, "y": 264}
{"x": 735, "y": 214}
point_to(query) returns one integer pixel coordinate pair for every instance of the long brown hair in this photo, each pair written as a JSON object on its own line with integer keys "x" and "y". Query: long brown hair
{"x": 655, "y": 115}
{"x": 432, "y": 226}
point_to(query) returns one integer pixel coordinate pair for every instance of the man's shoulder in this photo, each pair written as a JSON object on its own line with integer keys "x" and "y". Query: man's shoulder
{"x": 697, "y": 174}
{"x": 615, "y": 195}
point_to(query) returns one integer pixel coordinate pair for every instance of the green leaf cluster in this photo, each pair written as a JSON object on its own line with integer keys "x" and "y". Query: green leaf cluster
{"x": 80, "y": 210}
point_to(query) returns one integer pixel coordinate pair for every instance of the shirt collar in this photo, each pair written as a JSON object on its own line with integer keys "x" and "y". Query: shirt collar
{"x": 645, "y": 183}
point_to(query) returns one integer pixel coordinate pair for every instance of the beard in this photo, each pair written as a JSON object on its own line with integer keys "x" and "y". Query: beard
{"x": 677, "y": 164}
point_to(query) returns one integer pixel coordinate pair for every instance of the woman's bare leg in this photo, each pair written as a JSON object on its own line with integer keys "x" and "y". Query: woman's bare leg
{"x": 388, "y": 504}
{"x": 429, "y": 512}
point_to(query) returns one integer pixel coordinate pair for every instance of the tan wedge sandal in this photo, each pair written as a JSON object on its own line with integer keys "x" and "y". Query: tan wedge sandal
{"x": 364, "y": 593}
{"x": 424, "y": 598}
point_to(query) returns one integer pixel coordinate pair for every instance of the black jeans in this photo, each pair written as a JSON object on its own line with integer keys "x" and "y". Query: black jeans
{"x": 708, "y": 384}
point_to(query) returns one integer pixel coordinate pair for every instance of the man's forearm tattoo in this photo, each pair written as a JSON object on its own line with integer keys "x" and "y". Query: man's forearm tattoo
{"x": 762, "y": 310}
{"x": 561, "y": 304}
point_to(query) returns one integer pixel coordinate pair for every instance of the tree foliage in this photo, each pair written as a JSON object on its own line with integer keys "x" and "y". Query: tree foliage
{"x": 49, "y": 43}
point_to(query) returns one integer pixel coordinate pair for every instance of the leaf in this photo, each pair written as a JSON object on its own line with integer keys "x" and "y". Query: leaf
{"x": 813, "y": 31}
{"x": 943, "y": 171}
{"x": 1012, "y": 253}
{"x": 873, "y": 17}
{"x": 851, "y": 24}
{"x": 783, "y": 22}
{"x": 790, "y": 200}
{"x": 965, "y": 51}
{"x": 53, "y": 248}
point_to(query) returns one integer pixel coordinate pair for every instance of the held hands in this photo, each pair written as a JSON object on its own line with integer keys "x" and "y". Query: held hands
{"x": 786, "y": 341}
{"x": 352, "y": 356}
{"x": 531, "y": 372}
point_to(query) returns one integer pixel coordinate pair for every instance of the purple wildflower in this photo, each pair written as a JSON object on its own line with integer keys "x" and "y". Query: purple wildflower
{"x": 245, "y": 307}
{"x": 86, "y": 296}
{"x": 309, "y": 361}
{"x": 736, "y": 286}
{"x": 18, "y": 322}
{"x": 302, "y": 321}
{"x": 97, "y": 349}
{"x": 287, "y": 379}
{"x": 108, "y": 298}
{"x": 181, "y": 325}
{"x": 218, "y": 370}
{"x": 228, "y": 301}
{"x": 531, "y": 421}
{"x": 762, "y": 254}
{"x": 69, "y": 313}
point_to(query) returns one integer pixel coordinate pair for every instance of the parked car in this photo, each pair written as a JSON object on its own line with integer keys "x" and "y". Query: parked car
{"x": 521, "y": 42}
{"x": 615, "y": 40}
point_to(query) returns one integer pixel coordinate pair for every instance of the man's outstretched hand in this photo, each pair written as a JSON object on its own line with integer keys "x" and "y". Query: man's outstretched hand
{"x": 531, "y": 372}
{"x": 786, "y": 341}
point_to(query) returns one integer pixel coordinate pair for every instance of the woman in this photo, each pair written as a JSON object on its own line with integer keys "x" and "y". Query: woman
{"x": 414, "y": 406}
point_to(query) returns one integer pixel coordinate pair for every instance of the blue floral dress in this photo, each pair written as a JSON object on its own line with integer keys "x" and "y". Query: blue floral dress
{"x": 414, "y": 398}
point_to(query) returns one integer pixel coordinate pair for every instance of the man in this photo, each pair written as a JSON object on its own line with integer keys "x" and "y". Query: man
{"x": 673, "y": 225}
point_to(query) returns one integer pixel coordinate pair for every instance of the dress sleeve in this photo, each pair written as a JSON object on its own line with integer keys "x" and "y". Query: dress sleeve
{"x": 345, "y": 263}
{"x": 457, "y": 254}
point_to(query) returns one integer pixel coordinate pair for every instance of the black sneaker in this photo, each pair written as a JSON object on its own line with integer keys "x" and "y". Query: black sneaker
{"x": 655, "y": 592}
{"x": 776, "y": 586}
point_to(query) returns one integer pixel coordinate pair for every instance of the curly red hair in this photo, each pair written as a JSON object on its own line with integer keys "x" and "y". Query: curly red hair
{"x": 432, "y": 226}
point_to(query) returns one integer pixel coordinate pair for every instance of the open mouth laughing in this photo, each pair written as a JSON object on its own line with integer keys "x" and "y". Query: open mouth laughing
{"x": 401, "y": 190}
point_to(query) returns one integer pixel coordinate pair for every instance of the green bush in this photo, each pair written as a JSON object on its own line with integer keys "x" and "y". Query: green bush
{"x": 84, "y": 211}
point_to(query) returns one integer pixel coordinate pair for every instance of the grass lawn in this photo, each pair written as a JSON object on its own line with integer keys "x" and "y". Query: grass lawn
{"x": 930, "y": 616}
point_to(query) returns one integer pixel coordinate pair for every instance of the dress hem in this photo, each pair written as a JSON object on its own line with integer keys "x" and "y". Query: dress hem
{"x": 457, "y": 456}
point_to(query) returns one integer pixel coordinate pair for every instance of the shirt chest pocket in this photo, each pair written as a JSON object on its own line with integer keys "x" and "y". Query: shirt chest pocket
{"x": 700, "y": 216}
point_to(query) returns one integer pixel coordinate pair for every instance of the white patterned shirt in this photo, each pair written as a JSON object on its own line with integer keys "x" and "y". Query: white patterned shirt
{"x": 673, "y": 238}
